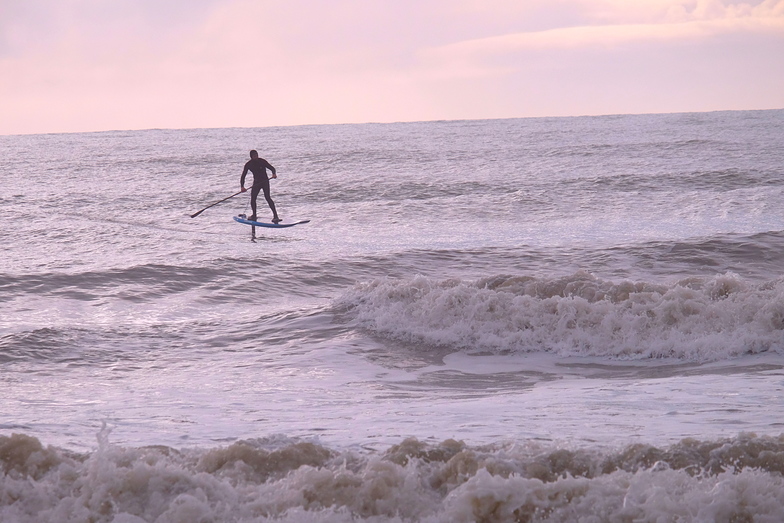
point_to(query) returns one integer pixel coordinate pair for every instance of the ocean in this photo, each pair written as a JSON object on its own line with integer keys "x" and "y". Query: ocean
{"x": 528, "y": 320}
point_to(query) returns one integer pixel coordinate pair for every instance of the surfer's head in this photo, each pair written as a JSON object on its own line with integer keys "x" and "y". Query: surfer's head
{"x": 254, "y": 154}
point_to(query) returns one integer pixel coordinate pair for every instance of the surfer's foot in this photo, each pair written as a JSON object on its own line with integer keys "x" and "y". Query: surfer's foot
{"x": 252, "y": 218}
{"x": 276, "y": 220}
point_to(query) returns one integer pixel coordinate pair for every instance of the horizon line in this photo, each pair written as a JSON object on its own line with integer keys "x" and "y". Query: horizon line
{"x": 393, "y": 122}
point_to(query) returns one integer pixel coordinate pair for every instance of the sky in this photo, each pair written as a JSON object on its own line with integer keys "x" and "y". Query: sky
{"x": 92, "y": 65}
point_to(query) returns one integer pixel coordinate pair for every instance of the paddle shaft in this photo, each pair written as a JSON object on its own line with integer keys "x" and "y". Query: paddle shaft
{"x": 214, "y": 204}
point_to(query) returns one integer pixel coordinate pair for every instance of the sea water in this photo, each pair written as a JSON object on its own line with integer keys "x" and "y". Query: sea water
{"x": 550, "y": 319}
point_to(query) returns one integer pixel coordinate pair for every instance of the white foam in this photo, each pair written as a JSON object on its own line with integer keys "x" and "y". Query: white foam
{"x": 728, "y": 480}
{"x": 700, "y": 319}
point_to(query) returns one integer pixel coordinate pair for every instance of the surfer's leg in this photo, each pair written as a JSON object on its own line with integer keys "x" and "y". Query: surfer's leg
{"x": 267, "y": 197}
{"x": 254, "y": 192}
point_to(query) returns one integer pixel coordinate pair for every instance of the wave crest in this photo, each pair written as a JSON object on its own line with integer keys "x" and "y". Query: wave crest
{"x": 699, "y": 319}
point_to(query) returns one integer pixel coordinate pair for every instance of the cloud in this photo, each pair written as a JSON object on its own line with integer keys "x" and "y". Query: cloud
{"x": 671, "y": 22}
{"x": 97, "y": 64}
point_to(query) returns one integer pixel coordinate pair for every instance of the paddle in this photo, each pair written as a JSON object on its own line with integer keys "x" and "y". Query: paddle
{"x": 214, "y": 204}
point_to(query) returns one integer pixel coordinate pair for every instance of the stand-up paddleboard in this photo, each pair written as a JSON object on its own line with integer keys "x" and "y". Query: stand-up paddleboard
{"x": 242, "y": 219}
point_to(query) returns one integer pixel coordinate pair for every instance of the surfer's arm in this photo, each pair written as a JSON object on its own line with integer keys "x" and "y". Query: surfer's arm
{"x": 242, "y": 178}
{"x": 271, "y": 168}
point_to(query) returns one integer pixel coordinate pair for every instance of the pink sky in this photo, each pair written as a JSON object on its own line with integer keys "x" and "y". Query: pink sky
{"x": 88, "y": 65}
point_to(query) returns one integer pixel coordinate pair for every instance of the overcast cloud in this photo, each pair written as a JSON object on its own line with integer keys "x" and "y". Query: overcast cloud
{"x": 81, "y": 65}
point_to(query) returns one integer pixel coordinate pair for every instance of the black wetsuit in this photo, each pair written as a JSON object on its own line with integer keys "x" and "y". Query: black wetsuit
{"x": 259, "y": 166}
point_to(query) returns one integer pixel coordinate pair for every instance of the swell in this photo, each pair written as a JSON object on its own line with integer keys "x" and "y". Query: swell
{"x": 124, "y": 343}
{"x": 277, "y": 479}
{"x": 717, "y": 181}
{"x": 755, "y": 256}
{"x": 222, "y": 280}
{"x": 150, "y": 280}
{"x": 95, "y": 346}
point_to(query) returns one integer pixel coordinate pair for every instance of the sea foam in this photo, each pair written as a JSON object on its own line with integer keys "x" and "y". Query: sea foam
{"x": 736, "y": 479}
{"x": 698, "y": 319}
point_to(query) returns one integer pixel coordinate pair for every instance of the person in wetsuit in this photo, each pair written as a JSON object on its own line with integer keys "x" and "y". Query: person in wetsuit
{"x": 258, "y": 166}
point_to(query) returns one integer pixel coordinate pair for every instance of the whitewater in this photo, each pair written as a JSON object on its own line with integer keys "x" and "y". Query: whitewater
{"x": 543, "y": 319}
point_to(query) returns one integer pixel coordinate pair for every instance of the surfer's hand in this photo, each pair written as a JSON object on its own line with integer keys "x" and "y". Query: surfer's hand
{"x": 274, "y": 176}
{"x": 243, "y": 189}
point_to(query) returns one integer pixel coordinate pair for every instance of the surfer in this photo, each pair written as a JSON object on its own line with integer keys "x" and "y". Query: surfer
{"x": 258, "y": 166}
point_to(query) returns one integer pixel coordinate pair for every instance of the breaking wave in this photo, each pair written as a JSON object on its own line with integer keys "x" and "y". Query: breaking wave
{"x": 697, "y": 319}
{"x": 278, "y": 479}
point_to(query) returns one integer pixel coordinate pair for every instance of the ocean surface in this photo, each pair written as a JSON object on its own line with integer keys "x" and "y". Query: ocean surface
{"x": 549, "y": 319}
